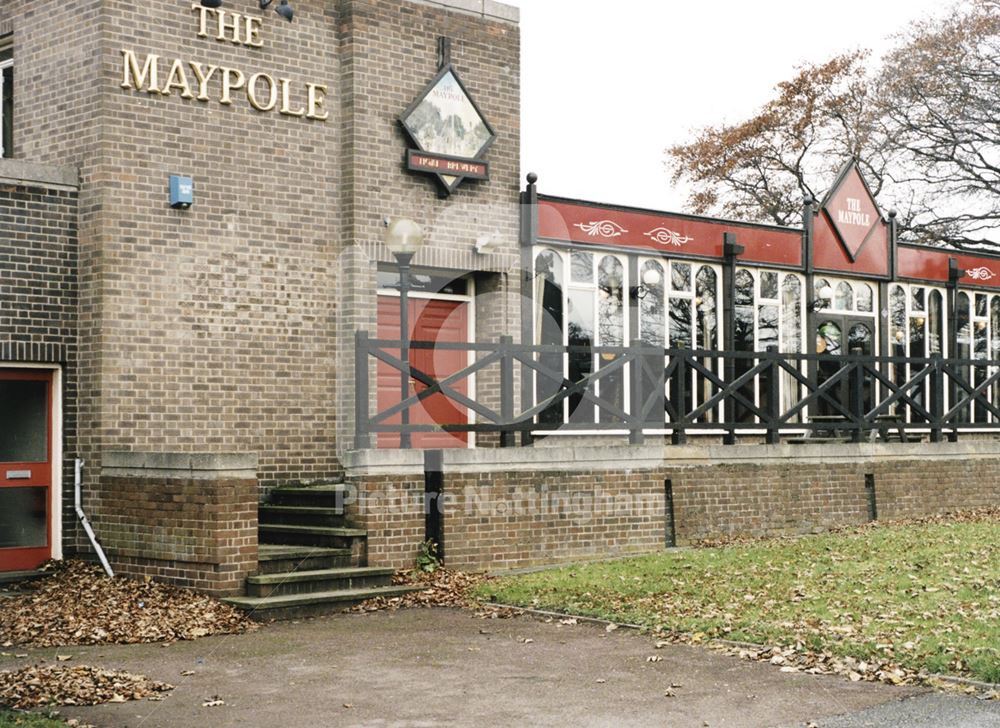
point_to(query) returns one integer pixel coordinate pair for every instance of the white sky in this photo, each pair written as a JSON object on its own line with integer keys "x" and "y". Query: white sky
{"x": 607, "y": 86}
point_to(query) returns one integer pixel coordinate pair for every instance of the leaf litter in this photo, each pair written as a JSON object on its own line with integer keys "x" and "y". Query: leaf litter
{"x": 77, "y": 604}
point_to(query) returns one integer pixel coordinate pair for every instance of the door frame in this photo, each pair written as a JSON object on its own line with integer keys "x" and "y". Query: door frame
{"x": 468, "y": 298}
{"x": 56, "y": 455}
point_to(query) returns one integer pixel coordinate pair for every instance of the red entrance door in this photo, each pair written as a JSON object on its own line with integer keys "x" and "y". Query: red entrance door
{"x": 25, "y": 468}
{"x": 430, "y": 320}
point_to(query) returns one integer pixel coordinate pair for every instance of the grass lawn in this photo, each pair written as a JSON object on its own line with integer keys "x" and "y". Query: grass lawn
{"x": 925, "y": 596}
{"x": 9, "y": 719}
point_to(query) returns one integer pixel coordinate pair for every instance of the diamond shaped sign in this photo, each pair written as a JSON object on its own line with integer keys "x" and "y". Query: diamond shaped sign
{"x": 445, "y": 123}
{"x": 851, "y": 209}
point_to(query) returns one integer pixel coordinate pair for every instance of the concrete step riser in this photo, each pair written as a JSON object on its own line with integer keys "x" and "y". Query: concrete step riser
{"x": 310, "y": 500}
{"x": 331, "y": 520}
{"x": 300, "y": 612}
{"x": 307, "y": 539}
{"x": 284, "y": 566}
{"x": 310, "y": 587}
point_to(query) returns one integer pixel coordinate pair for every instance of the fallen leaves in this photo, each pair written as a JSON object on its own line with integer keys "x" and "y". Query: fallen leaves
{"x": 31, "y": 687}
{"x": 79, "y": 605}
{"x": 213, "y": 702}
{"x": 442, "y": 588}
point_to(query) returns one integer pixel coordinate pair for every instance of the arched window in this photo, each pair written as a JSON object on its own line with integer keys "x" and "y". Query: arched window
{"x": 865, "y": 298}
{"x": 843, "y": 298}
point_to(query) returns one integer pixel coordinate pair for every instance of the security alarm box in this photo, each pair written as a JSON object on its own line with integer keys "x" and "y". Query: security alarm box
{"x": 181, "y": 192}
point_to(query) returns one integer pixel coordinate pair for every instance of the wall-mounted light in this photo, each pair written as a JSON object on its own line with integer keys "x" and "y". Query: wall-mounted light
{"x": 211, "y": 3}
{"x": 980, "y": 325}
{"x": 919, "y": 320}
{"x": 823, "y": 299}
{"x": 899, "y": 335}
{"x": 650, "y": 279}
{"x": 285, "y": 10}
{"x": 488, "y": 243}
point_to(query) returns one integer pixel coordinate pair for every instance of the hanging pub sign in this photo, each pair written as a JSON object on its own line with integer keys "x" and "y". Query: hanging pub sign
{"x": 851, "y": 209}
{"x": 450, "y": 132}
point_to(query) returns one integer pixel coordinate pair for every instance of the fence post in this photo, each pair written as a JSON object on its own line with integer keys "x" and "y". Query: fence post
{"x": 635, "y": 435}
{"x": 856, "y": 394}
{"x": 937, "y": 396}
{"x": 362, "y": 439}
{"x": 679, "y": 395}
{"x": 507, "y": 437}
{"x": 773, "y": 396}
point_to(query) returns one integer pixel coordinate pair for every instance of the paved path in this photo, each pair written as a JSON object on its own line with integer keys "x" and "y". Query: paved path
{"x": 417, "y": 668}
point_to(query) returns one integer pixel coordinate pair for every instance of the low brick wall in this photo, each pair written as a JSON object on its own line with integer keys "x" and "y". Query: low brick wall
{"x": 519, "y": 507}
{"x": 190, "y": 520}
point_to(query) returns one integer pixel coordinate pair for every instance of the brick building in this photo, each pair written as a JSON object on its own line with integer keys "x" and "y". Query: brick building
{"x": 215, "y": 363}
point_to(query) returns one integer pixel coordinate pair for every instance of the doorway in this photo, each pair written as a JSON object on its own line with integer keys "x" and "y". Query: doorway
{"x": 438, "y": 319}
{"x": 26, "y": 468}
{"x": 840, "y": 335}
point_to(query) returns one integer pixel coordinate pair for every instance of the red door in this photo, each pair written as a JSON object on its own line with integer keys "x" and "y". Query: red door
{"x": 430, "y": 320}
{"x": 25, "y": 468}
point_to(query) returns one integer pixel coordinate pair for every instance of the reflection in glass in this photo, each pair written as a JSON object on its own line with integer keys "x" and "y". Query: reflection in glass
{"x": 23, "y": 517}
{"x": 963, "y": 326}
{"x": 680, "y": 323}
{"x": 706, "y": 313}
{"x": 981, "y": 305}
{"x": 24, "y": 434}
{"x": 680, "y": 276}
{"x": 865, "y": 298}
{"x": 768, "y": 285}
{"x": 829, "y": 339}
{"x": 829, "y": 343}
{"x": 935, "y": 323}
{"x": 743, "y": 335}
{"x": 843, "y": 297}
{"x": 549, "y": 329}
{"x": 611, "y": 319}
{"x": 791, "y": 314}
{"x": 651, "y": 320}
{"x": 917, "y": 298}
{"x": 707, "y": 310}
{"x": 581, "y": 267}
{"x": 580, "y": 332}
{"x": 818, "y": 285}
{"x": 767, "y": 326}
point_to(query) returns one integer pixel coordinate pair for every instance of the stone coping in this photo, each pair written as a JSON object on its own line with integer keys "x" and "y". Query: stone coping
{"x": 190, "y": 466}
{"x": 30, "y": 174}
{"x": 488, "y": 9}
{"x": 579, "y": 457}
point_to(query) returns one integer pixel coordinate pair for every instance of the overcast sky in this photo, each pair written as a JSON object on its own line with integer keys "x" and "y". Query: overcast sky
{"x": 607, "y": 86}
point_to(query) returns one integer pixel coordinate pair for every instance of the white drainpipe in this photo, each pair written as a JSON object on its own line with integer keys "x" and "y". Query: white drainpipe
{"x": 77, "y": 482}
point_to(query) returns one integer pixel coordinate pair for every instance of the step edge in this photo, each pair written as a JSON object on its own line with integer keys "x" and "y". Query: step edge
{"x": 320, "y": 574}
{"x": 334, "y": 596}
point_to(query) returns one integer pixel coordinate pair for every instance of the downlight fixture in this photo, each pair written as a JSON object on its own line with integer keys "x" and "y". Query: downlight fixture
{"x": 285, "y": 10}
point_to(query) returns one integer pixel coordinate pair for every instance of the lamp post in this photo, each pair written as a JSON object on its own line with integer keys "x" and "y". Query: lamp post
{"x": 404, "y": 238}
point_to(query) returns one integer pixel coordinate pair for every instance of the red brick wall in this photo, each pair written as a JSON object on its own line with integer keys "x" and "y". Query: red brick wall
{"x": 549, "y": 505}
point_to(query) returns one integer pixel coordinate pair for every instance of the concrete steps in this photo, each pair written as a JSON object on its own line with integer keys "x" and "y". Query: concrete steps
{"x": 16, "y": 577}
{"x": 311, "y": 560}
{"x": 293, "y": 606}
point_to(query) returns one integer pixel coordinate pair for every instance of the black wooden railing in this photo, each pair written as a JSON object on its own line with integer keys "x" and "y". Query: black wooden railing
{"x": 642, "y": 389}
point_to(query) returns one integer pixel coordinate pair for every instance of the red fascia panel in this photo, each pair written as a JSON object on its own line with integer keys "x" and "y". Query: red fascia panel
{"x": 931, "y": 264}
{"x": 829, "y": 254}
{"x": 664, "y": 233}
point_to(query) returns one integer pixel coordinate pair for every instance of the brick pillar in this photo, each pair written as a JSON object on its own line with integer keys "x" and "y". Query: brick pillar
{"x": 183, "y": 518}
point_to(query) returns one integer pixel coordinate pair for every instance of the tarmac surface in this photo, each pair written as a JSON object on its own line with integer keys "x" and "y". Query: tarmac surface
{"x": 421, "y": 668}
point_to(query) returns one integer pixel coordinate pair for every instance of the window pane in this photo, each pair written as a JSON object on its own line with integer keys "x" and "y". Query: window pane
{"x": 680, "y": 323}
{"x": 707, "y": 310}
{"x": 844, "y": 297}
{"x": 963, "y": 327}
{"x": 610, "y": 278}
{"x": 829, "y": 338}
{"x": 818, "y": 285}
{"x": 744, "y": 288}
{"x": 981, "y": 305}
{"x": 680, "y": 276}
{"x": 24, "y": 422}
{"x": 651, "y": 322}
{"x": 582, "y": 267}
{"x": 935, "y": 322}
{"x": 917, "y": 298}
{"x": 897, "y": 320}
{"x": 791, "y": 315}
{"x": 865, "y": 298}
{"x": 767, "y": 327}
{"x": 768, "y": 285}
{"x": 548, "y": 298}
{"x": 7, "y": 112}
{"x": 23, "y": 517}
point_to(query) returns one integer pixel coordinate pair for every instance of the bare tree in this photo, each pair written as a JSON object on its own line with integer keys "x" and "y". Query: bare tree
{"x": 923, "y": 126}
